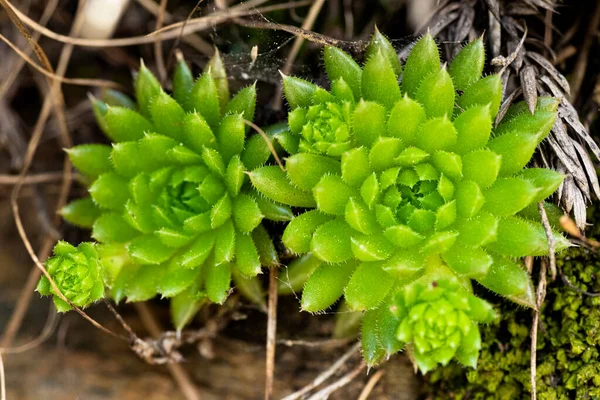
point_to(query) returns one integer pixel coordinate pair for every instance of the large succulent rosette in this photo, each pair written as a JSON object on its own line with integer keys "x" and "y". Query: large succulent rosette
{"x": 408, "y": 180}
{"x": 76, "y": 273}
{"x": 170, "y": 200}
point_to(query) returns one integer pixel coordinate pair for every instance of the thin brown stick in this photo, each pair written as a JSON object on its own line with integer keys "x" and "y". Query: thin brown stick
{"x": 540, "y": 295}
{"x": 324, "y": 393}
{"x": 584, "y": 52}
{"x": 322, "y": 377}
{"x": 267, "y": 140}
{"x": 364, "y": 395}
{"x": 567, "y": 282}
{"x": 167, "y": 33}
{"x": 308, "y": 23}
{"x": 271, "y": 333}
{"x": 54, "y": 98}
{"x": 45, "y": 177}
{"x": 16, "y": 69}
{"x": 176, "y": 370}
{"x": 49, "y": 327}
{"x": 158, "y": 52}
{"x": 194, "y": 41}
{"x": 549, "y": 238}
{"x": 53, "y": 76}
{"x": 2, "y": 379}
{"x": 314, "y": 37}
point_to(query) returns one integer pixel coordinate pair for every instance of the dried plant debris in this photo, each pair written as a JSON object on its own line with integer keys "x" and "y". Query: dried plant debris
{"x": 527, "y": 74}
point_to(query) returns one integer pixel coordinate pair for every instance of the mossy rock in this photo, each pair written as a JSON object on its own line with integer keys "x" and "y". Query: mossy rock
{"x": 568, "y": 359}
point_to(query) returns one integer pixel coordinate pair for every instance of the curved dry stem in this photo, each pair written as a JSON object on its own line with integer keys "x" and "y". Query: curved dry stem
{"x": 58, "y": 78}
{"x": 173, "y": 33}
{"x": 267, "y": 140}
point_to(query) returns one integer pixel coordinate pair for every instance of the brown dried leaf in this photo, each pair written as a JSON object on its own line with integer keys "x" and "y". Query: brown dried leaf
{"x": 574, "y": 170}
{"x": 463, "y": 26}
{"x": 545, "y": 64}
{"x": 506, "y": 104}
{"x": 559, "y": 132}
{"x": 589, "y": 168}
{"x": 528, "y": 83}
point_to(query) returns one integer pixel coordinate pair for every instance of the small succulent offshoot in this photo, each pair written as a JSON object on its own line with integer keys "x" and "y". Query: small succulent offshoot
{"x": 170, "y": 202}
{"x": 410, "y": 186}
{"x": 77, "y": 274}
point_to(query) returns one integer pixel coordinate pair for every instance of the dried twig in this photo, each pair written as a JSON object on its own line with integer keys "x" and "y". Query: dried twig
{"x": 540, "y": 295}
{"x": 267, "y": 140}
{"x": 325, "y": 374}
{"x": 324, "y": 393}
{"x": 308, "y": 23}
{"x": 271, "y": 333}
{"x": 364, "y": 395}
{"x": 549, "y": 238}
{"x": 56, "y": 77}
{"x": 567, "y": 282}
{"x": 167, "y": 33}
{"x": 45, "y": 177}
{"x": 158, "y": 52}
{"x": 2, "y": 379}
{"x": 180, "y": 375}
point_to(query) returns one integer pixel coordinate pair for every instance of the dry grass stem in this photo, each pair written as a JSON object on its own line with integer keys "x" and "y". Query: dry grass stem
{"x": 267, "y": 140}
{"x": 540, "y": 294}
{"x": 271, "y": 333}
{"x": 178, "y": 373}
{"x": 308, "y": 23}
{"x": 323, "y": 376}
{"x": 549, "y": 238}
{"x": 167, "y": 33}
{"x": 324, "y": 393}
{"x": 364, "y": 395}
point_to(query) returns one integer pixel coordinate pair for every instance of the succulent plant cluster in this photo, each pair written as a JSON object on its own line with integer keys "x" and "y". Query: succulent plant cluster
{"x": 404, "y": 192}
{"x": 410, "y": 184}
{"x": 170, "y": 201}
{"x": 77, "y": 274}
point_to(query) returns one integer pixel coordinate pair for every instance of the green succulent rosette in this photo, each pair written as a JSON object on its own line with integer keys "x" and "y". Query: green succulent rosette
{"x": 77, "y": 274}
{"x": 405, "y": 176}
{"x": 170, "y": 200}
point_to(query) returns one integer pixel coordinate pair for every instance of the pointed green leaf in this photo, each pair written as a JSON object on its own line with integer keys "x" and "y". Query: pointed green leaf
{"x": 272, "y": 182}
{"x": 218, "y": 282}
{"x": 306, "y": 169}
{"x": 205, "y": 99}
{"x": 146, "y": 88}
{"x": 326, "y": 285}
{"x": 331, "y": 241}
{"x": 299, "y": 232}
{"x": 246, "y": 256}
{"x": 467, "y": 65}
{"x": 355, "y": 166}
{"x": 183, "y": 81}
{"x": 509, "y": 195}
{"x": 405, "y": 119}
{"x": 91, "y": 160}
{"x": 81, "y": 212}
{"x": 467, "y": 261}
{"x": 340, "y": 64}
{"x": 424, "y": 58}
{"x": 369, "y": 122}
{"x": 482, "y": 167}
{"x": 298, "y": 92}
{"x": 360, "y": 294}
{"x": 483, "y": 92}
{"x": 379, "y": 82}
{"x": 124, "y": 125}
{"x": 436, "y": 94}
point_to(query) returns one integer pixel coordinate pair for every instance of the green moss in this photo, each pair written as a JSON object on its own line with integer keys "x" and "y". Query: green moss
{"x": 568, "y": 343}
